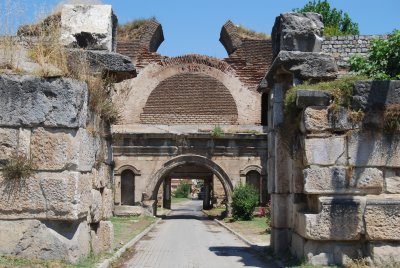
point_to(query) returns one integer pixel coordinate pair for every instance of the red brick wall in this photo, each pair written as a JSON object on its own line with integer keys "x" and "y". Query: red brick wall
{"x": 190, "y": 98}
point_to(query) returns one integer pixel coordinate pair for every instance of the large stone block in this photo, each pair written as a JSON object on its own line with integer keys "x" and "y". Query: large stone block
{"x": 108, "y": 64}
{"x": 323, "y": 253}
{"x": 50, "y": 240}
{"x": 325, "y": 151}
{"x": 382, "y": 217}
{"x": 392, "y": 185}
{"x": 320, "y": 119}
{"x": 128, "y": 211}
{"x": 341, "y": 180}
{"x": 102, "y": 238}
{"x": 340, "y": 218}
{"x": 304, "y": 66}
{"x": 64, "y": 149}
{"x": 371, "y": 148}
{"x": 375, "y": 95}
{"x": 307, "y": 98}
{"x": 297, "y": 32}
{"x": 385, "y": 254}
{"x": 14, "y": 141}
{"x": 51, "y": 102}
{"x": 315, "y": 119}
{"x": 89, "y": 27}
{"x": 96, "y": 203}
{"x": 64, "y": 196}
{"x": 108, "y": 203}
{"x": 101, "y": 176}
{"x": 8, "y": 142}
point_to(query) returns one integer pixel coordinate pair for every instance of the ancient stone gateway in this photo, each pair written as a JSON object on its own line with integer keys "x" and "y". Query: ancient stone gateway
{"x": 191, "y": 116}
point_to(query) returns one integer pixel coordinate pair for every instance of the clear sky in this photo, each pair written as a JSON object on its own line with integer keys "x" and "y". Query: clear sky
{"x": 193, "y": 26}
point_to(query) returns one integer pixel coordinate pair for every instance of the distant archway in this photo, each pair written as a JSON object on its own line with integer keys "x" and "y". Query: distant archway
{"x": 168, "y": 167}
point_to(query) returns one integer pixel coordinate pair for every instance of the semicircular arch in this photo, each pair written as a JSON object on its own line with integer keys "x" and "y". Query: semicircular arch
{"x": 164, "y": 171}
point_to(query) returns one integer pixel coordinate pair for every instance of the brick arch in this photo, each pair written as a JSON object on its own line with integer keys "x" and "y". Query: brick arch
{"x": 248, "y": 102}
{"x": 190, "y": 98}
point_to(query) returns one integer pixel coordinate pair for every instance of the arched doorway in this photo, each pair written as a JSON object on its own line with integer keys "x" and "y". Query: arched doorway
{"x": 253, "y": 178}
{"x": 127, "y": 188}
{"x": 181, "y": 165}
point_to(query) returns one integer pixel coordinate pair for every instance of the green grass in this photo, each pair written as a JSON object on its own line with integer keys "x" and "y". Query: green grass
{"x": 256, "y": 222}
{"x": 177, "y": 200}
{"x": 6, "y": 262}
{"x": 341, "y": 90}
{"x": 126, "y": 228}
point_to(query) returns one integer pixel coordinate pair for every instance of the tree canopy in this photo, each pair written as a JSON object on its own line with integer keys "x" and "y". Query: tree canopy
{"x": 336, "y": 21}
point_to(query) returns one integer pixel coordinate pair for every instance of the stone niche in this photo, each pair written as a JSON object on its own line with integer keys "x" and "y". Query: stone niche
{"x": 89, "y": 26}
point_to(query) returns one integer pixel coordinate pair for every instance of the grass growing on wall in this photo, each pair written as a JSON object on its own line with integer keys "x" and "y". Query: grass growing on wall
{"x": 247, "y": 33}
{"x": 341, "y": 90}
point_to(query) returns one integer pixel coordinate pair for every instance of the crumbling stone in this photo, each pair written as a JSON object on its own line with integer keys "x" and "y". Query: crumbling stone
{"x": 107, "y": 64}
{"x": 102, "y": 237}
{"x": 88, "y": 27}
{"x": 375, "y": 95}
{"x": 340, "y": 218}
{"x": 51, "y": 241}
{"x": 44, "y": 196}
{"x": 297, "y": 32}
{"x": 34, "y": 101}
{"x": 382, "y": 217}
{"x": 304, "y": 66}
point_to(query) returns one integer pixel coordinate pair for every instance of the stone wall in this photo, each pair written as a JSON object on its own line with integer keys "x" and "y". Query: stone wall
{"x": 333, "y": 172}
{"x": 350, "y": 182}
{"x": 343, "y": 47}
{"x": 62, "y": 210}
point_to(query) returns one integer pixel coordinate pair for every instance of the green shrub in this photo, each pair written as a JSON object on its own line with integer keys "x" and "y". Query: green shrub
{"x": 383, "y": 60}
{"x": 217, "y": 132}
{"x": 183, "y": 190}
{"x": 244, "y": 201}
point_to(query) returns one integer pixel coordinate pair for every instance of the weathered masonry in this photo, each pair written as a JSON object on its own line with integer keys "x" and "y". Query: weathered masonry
{"x": 174, "y": 110}
{"x": 61, "y": 210}
{"x": 333, "y": 175}
{"x": 334, "y": 182}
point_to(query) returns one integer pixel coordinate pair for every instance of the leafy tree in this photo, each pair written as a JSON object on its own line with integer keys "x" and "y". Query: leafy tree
{"x": 244, "y": 201}
{"x": 383, "y": 60}
{"x": 336, "y": 21}
{"x": 183, "y": 190}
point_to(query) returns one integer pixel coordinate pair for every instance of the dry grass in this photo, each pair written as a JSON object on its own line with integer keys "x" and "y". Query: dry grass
{"x": 19, "y": 167}
{"x": 133, "y": 29}
{"x": 392, "y": 118}
{"x": 251, "y": 34}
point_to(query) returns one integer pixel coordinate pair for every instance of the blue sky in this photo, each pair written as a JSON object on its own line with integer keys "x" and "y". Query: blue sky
{"x": 194, "y": 26}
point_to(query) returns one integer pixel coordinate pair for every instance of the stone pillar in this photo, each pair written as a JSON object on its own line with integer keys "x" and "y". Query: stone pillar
{"x": 167, "y": 193}
{"x": 207, "y": 193}
{"x": 117, "y": 189}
